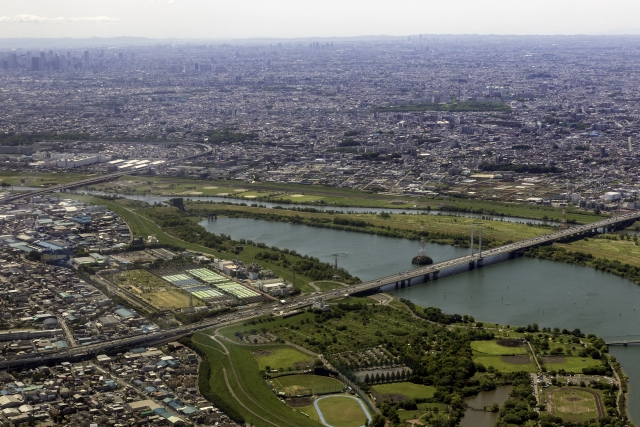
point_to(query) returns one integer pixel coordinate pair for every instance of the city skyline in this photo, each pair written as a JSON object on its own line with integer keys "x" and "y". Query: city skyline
{"x": 199, "y": 19}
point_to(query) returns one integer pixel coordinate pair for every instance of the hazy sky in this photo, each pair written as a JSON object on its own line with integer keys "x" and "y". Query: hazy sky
{"x": 313, "y": 18}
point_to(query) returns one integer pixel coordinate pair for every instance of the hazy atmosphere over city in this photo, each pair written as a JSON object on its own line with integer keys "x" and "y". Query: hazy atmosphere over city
{"x": 201, "y": 19}
{"x": 349, "y": 213}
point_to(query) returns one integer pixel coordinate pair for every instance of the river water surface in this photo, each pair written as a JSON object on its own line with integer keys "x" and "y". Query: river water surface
{"x": 516, "y": 292}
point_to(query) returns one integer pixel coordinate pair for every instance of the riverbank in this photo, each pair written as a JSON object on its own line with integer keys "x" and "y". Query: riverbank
{"x": 441, "y": 229}
{"x": 321, "y": 195}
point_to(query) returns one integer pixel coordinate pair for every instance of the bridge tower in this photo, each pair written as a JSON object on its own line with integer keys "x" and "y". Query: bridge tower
{"x": 563, "y": 224}
{"x": 335, "y": 265}
{"x": 421, "y": 251}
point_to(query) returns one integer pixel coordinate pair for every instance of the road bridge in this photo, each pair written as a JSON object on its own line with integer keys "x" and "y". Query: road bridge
{"x": 305, "y": 300}
{"x": 98, "y": 179}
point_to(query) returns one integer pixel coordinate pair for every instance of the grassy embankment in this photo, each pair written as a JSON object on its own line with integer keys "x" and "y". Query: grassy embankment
{"x": 236, "y": 380}
{"x": 438, "y": 228}
{"x": 328, "y": 196}
{"x": 137, "y": 216}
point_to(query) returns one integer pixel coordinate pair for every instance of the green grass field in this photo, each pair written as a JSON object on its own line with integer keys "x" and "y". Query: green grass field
{"x": 502, "y": 366}
{"x": 275, "y": 192}
{"x": 253, "y": 398}
{"x": 492, "y": 347}
{"x": 410, "y": 390}
{"x": 316, "y": 383}
{"x": 572, "y": 404}
{"x": 342, "y": 411}
{"x": 328, "y": 286}
{"x": 430, "y": 411}
{"x": 573, "y": 364}
{"x": 624, "y": 251}
{"x": 280, "y": 358}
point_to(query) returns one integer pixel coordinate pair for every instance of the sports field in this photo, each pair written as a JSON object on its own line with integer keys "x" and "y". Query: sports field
{"x": 172, "y": 298}
{"x": 499, "y": 347}
{"x": 406, "y": 389}
{"x": 293, "y": 385}
{"x": 341, "y": 411}
{"x": 282, "y": 358}
{"x": 575, "y": 404}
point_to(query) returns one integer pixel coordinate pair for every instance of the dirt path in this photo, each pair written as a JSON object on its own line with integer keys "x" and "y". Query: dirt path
{"x": 233, "y": 394}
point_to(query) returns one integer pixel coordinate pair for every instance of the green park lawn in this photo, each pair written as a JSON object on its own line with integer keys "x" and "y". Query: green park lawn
{"x": 492, "y": 347}
{"x": 410, "y": 390}
{"x": 501, "y": 365}
{"x": 573, "y": 364}
{"x": 279, "y": 357}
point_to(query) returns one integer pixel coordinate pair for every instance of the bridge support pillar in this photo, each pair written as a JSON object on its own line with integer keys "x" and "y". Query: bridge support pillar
{"x": 480, "y": 262}
{"x": 426, "y": 277}
{"x": 409, "y": 282}
{"x": 396, "y": 285}
{"x": 435, "y": 275}
{"x": 472, "y": 265}
{"x": 512, "y": 255}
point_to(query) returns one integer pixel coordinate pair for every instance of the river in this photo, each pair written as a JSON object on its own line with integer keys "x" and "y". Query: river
{"x": 271, "y": 205}
{"x": 516, "y": 292}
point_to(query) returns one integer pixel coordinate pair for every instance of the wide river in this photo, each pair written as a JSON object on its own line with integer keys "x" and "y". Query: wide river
{"x": 516, "y": 292}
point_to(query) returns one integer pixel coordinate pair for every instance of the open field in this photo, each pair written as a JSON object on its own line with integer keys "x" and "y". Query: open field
{"x": 275, "y": 192}
{"x": 317, "y": 384}
{"x": 235, "y": 380}
{"x": 625, "y": 251}
{"x": 574, "y": 404}
{"x": 34, "y": 179}
{"x": 493, "y": 347}
{"x": 155, "y": 290}
{"x": 572, "y": 364}
{"x": 425, "y": 411}
{"x": 406, "y": 389}
{"x": 341, "y": 411}
{"x": 281, "y": 358}
{"x": 507, "y": 363}
{"x": 172, "y": 298}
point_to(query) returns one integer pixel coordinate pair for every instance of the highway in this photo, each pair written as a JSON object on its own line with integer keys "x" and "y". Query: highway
{"x": 95, "y": 180}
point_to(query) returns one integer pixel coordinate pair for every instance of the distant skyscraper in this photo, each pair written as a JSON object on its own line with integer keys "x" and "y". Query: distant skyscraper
{"x": 86, "y": 56}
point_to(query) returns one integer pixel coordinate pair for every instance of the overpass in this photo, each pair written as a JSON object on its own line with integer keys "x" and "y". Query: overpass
{"x": 95, "y": 180}
{"x": 302, "y": 301}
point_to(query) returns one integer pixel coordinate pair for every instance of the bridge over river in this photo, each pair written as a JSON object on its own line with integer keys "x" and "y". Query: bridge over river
{"x": 472, "y": 261}
{"x": 302, "y": 301}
